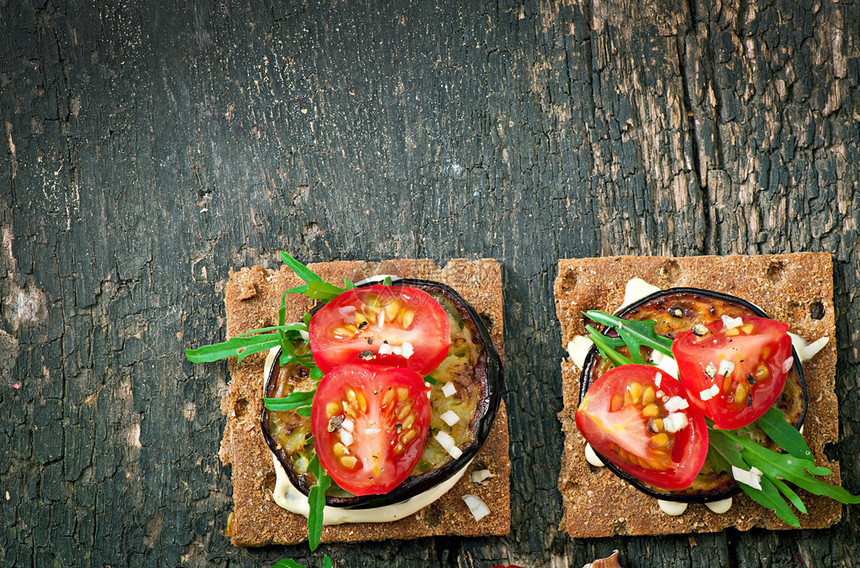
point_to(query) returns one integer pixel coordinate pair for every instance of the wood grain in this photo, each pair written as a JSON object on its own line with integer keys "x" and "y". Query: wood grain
{"x": 148, "y": 148}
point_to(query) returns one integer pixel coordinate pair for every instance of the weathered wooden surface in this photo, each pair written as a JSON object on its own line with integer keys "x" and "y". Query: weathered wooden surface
{"x": 149, "y": 148}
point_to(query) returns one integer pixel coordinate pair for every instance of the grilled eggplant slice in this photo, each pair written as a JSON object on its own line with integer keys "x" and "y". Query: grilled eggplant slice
{"x": 676, "y": 310}
{"x": 474, "y": 368}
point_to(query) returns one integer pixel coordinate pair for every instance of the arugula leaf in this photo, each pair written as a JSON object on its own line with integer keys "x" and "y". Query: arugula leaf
{"x": 300, "y": 269}
{"x": 290, "y": 563}
{"x": 295, "y": 400}
{"x": 607, "y": 346}
{"x": 386, "y": 281}
{"x": 316, "y": 502}
{"x": 431, "y": 380}
{"x": 784, "y": 434}
{"x": 236, "y": 346}
{"x": 635, "y": 334}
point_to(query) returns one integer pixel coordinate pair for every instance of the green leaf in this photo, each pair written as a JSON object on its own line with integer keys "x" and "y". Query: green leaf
{"x": 605, "y": 345}
{"x": 327, "y": 562}
{"x": 347, "y": 285}
{"x": 300, "y": 269}
{"x": 635, "y": 334}
{"x": 304, "y": 411}
{"x": 386, "y": 281}
{"x": 293, "y": 401}
{"x": 769, "y": 498}
{"x": 784, "y": 434}
{"x": 241, "y": 346}
{"x": 789, "y": 493}
{"x": 288, "y": 563}
{"x": 316, "y": 502}
{"x": 431, "y": 380}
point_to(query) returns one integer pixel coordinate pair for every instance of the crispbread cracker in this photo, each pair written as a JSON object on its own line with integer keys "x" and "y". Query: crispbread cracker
{"x": 252, "y": 298}
{"x": 793, "y": 288}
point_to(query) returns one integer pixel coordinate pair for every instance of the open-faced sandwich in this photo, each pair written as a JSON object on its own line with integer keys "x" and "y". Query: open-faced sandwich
{"x": 690, "y": 380}
{"x": 368, "y": 410}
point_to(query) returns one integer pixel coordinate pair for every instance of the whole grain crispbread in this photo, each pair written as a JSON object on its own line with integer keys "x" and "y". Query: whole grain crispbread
{"x": 252, "y": 298}
{"x": 794, "y": 288}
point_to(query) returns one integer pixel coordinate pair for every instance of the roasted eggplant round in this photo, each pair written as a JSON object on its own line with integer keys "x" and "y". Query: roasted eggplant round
{"x": 676, "y": 310}
{"x": 472, "y": 365}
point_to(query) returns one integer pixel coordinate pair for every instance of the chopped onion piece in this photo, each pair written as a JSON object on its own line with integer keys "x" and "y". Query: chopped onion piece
{"x": 578, "y": 349}
{"x": 345, "y": 437}
{"x": 669, "y": 365}
{"x": 481, "y": 475}
{"x": 447, "y": 442}
{"x": 658, "y": 378}
{"x": 675, "y": 422}
{"x": 448, "y": 389}
{"x": 676, "y": 403}
{"x": 726, "y": 368}
{"x": 731, "y": 322}
{"x": 710, "y": 393}
{"x": 751, "y": 477}
{"x": 348, "y": 425}
{"x": 476, "y": 506}
{"x": 450, "y": 417}
{"x": 407, "y": 350}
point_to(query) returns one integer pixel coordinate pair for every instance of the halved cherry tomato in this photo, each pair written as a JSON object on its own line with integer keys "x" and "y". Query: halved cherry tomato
{"x": 370, "y": 424}
{"x": 636, "y": 417}
{"x": 734, "y": 375}
{"x": 382, "y": 325}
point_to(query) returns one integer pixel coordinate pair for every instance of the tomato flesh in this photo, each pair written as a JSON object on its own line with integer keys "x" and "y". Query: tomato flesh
{"x": 370, "y": 425}
{"x": 382, "y": 325}
{"x": 635, "y": 417}
{"x": 734, "y": 374}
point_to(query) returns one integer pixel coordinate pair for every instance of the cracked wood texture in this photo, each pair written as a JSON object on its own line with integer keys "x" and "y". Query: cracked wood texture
{"x": 147, "y": 149}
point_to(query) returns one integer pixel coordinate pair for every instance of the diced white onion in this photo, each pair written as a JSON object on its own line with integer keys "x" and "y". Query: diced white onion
{"x": 476, "y": 506}
{"x": 346, "y": 437}
{"x": 672, "y": 508}
{"x": 407, "y": 350}
{"x": 676, "y": 403}
{"x": 386, "y": 349}
{"x": 448, "y": 389}
{"x": 731, "y": 322}
{"x": 348, "y": 425}
{"x": 709, "y": 393}
{"x": 675, "y": 422}
{"x": 658, "y": 378}
{"x": 721, "y": 506}
{"x": 450, "y": 417}
{"x": 751, "y": 477}
{"x": 372, "y": 431}
{"x": 481, "y": 475}
{"x": 592, "y": 457}
{"x": 447, "y": 442}
{"x": 726, "y": 368}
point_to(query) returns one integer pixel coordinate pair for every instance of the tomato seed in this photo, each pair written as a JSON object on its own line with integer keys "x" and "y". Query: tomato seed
{"x": 389, "y": 396}
{"x": 651, "y": 411}
{"x": 408, "y": 317}
{"x": 409, "y": 420}
{"x": 331, "y": 409}
{"x": 635, "y": 390}
{"x": 403, "y": 412}
{"x": 648, "y": 395}
{"x": 617, "y": 403}
{"x": 349, "y": 461}
{"x": 408, "y": 436}
{"x": 402, "y": 394}
{"x": 339, "y": 449}
{"x": 660, "y": 440}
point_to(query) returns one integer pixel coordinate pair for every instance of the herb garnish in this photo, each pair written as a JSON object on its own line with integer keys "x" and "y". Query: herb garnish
{"x": 287, "y": 337}
{"x": 735, "y": 448}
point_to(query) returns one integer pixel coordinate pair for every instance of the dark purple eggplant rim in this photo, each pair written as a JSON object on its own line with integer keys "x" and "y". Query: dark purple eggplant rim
{"x": 592, "y": 359}
{"x": 485, "y": 415}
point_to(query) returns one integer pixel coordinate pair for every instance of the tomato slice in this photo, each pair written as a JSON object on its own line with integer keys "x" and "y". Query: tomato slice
{"x": 384, "y": 325}
{"x": 636, "y": 417}
{"x": 734, "y": 374}
{"x": 370, "y": 424}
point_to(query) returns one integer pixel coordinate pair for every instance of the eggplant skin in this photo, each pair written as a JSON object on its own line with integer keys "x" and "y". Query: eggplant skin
{"x": 676, "y": 310}
{"x": 483, "y": 384}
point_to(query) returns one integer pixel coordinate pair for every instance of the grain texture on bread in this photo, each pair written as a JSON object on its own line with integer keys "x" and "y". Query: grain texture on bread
{"x": 252, "y": 297}
{"x": 794, "y": 288}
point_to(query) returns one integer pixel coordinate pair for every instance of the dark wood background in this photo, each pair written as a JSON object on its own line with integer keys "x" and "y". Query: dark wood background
{"x": 150, "y": 147}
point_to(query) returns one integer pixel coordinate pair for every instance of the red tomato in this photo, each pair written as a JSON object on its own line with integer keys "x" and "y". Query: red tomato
{"x": 734, "y": 375}
{"x": 369, "y": 425}
{"x": 394, "y": 326}
{"x": 634, "y": 416}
